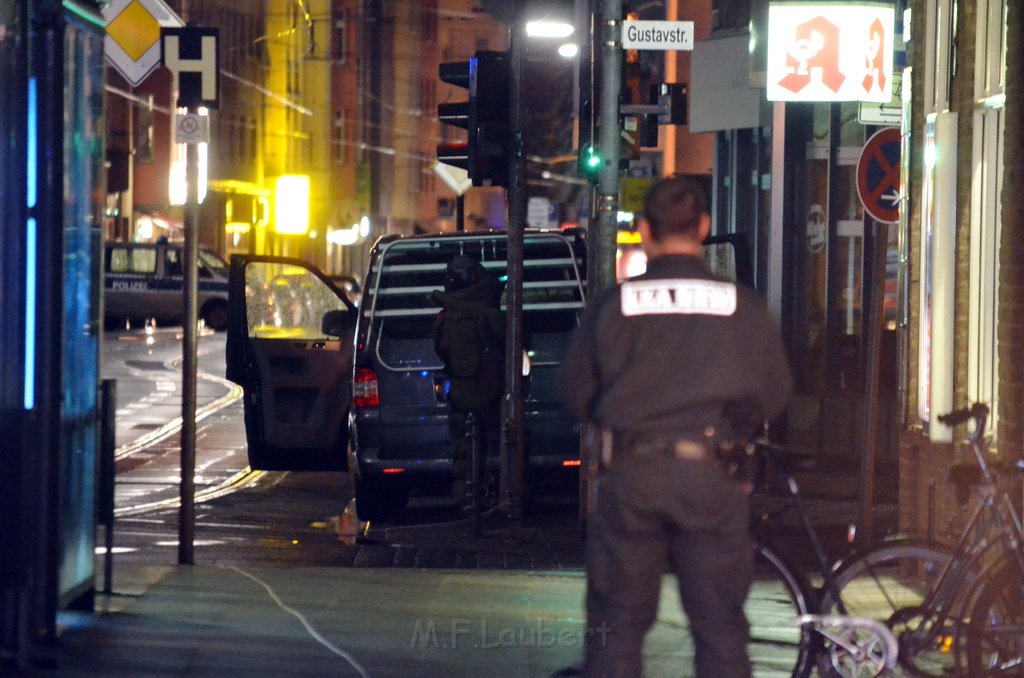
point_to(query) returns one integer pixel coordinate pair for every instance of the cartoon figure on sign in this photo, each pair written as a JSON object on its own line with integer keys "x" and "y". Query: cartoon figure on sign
{"x": 815, "y": 51}
{"x": 875, "y": 58}
{"x": 816, "y": 229}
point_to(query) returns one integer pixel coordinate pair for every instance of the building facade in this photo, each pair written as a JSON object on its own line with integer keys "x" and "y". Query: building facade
{"x": 945, "y": 327}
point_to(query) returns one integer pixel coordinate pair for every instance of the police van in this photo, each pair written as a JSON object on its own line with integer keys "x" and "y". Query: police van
{"x": 145, "y": 280}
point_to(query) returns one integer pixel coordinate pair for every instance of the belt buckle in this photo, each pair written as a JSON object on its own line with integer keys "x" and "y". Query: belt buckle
{"x": 689, "y": 450}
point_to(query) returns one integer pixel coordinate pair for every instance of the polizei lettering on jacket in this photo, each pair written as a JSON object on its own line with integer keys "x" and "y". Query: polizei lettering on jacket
{"x": 683, "y": 296}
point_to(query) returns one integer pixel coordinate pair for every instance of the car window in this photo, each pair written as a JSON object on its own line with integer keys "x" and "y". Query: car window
{"x": 132, "y": 260}
{"x": 286, "y": 301}
{"x": 172, "y": 262}
{"x": 213, "y": 262}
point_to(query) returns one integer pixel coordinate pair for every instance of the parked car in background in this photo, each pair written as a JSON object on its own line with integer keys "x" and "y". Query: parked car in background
{"x": 145, "y": 280}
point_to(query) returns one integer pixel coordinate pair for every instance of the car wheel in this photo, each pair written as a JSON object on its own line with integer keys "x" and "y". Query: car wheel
{"x": 215, "y": 315}
{"x": 372, "y": 500}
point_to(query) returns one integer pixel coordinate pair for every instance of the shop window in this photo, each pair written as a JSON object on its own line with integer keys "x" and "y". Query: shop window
{"x": 339, "y": 44}
{"x": 940, "y": 54}
{"x": 987, "y": 174}
{"x": 338, "y": 136}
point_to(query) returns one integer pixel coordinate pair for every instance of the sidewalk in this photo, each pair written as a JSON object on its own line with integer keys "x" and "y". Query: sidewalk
{"x": 457, "y": 606}
{"x": 214, "y": 621}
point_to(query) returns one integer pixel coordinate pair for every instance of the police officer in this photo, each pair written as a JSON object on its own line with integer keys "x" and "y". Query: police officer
{"x": 469, "y": 335}
{"x": 677, "y": 364}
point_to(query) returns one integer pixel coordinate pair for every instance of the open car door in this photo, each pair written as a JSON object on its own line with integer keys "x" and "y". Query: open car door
{"x": 289, "y": 346}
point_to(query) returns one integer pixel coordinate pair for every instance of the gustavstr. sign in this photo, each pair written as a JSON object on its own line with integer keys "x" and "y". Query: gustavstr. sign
{"x": 658, "y": 35}
{"x": 829, "y": 52}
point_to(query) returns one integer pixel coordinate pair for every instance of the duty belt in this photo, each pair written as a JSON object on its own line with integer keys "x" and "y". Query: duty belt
{"x": 690, "y": 450}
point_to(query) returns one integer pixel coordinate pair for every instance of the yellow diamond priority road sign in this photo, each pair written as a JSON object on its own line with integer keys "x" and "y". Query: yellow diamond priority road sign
{"x": 132, "y": 44}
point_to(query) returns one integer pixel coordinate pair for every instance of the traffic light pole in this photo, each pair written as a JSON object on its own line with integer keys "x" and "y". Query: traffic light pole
{"x": 513, "y": 460}
{"x": 603, "y": 241}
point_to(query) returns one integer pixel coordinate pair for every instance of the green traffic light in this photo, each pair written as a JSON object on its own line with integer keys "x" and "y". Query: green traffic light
{"x": 590, "y": 163}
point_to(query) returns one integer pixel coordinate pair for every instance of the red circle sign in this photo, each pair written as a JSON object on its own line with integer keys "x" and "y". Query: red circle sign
{"x": 878, "y": 175}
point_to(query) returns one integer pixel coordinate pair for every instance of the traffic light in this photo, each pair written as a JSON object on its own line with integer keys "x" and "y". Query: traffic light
{"x": 589, "y": 163}
{"x": 485, "y": 154}
{"x": 457, "y": 114}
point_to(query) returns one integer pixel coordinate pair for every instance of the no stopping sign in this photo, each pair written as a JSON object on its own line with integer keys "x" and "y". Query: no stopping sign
{"x": 878, "y": 175}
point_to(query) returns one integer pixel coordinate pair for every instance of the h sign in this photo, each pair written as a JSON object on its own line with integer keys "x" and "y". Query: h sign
{"x": 191, "y": 54}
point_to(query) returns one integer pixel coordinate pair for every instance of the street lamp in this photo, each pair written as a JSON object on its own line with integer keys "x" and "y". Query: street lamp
{"x": 549, "y": 28}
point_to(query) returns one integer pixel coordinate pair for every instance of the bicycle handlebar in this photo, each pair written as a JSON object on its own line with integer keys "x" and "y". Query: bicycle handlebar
{"x": 785, "y": 461}
{"x": 977, "y": 411}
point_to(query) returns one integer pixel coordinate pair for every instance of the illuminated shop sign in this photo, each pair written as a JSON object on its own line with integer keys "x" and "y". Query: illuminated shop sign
{"x": 830, "y": 52}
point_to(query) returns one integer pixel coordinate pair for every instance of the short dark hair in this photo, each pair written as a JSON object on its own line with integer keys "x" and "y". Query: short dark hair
{"x": 674, "y": 206}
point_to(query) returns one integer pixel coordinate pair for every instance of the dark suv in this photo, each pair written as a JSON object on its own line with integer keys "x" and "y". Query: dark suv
{"x": 398, "y": 426}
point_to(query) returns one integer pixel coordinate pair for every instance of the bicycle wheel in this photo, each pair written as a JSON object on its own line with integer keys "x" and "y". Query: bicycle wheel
{"x": 995, "y": 635}
{"x": 778, "y": 595}
{"x": 888, "y": 583}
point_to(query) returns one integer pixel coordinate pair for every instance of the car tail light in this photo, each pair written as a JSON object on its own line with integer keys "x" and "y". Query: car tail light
{"x": 572, "y": 462}
{"x": 364, "y": 389}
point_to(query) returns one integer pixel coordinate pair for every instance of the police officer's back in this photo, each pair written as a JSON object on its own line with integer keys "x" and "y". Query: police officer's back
{"x": 676, "y": 364}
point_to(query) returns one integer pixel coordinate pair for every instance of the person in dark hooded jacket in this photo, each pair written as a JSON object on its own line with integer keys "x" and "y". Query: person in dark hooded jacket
{"x": 469, "y": 337}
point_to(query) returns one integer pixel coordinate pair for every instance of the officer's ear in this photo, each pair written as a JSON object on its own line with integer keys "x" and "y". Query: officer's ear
{"x": 704, "y": 227}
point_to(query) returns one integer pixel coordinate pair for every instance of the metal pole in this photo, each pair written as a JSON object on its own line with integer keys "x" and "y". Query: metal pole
{"x": 108, "y": 407}
{"x": 460, "y": 212}
{"x": 873, "y": 332}
{"x": 187, "y": 513}
{"x": 603, "y": 240}
{"x": 512, "y": 452}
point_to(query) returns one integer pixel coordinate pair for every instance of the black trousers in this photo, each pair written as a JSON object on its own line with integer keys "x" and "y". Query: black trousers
{"x": 462, "y": 446}
{"x": 657, "y": 514}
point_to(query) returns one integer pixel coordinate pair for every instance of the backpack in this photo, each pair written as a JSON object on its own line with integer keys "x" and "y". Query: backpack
{"x": 471, "y": 343}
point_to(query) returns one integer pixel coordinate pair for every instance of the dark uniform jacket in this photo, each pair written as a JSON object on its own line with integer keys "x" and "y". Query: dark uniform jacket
{"x": 674, "y": 351}
{"x": 469, "y": 336}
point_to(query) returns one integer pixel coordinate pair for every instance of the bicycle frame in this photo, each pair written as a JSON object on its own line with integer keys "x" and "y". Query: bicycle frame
{"x": 834, "y": 628}
{"x": 992, "y": 523}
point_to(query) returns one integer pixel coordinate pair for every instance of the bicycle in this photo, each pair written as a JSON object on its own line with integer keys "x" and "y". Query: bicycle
{"x": 952, "y": 611}
{"x": 839, "y": 643}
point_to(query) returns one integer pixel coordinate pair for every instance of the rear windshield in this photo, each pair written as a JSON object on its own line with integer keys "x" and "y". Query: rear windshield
{"x": 401, "y": 313}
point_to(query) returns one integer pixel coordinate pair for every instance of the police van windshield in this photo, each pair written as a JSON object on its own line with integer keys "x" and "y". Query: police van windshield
{"x": 213, "y": 262}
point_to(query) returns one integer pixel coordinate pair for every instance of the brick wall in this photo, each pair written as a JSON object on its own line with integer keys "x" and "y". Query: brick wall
{"x": 926, "y": 498}
{"x": 1011, "y": 263}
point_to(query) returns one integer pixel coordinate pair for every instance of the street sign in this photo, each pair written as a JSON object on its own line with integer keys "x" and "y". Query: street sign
{"x": 889, "y": 113}
{"x": 830, "y": 52}
{"x": 191, "y": 128}
{"x": 632, "y": 191}
{"x": 538, "y": 212}
{"x": 658, "y": 35}
{"x": 454, "y": 177}
{"x": 132, "y": 43}
{"x": 191, "y": 54}
{"x": 878, "y": 175}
